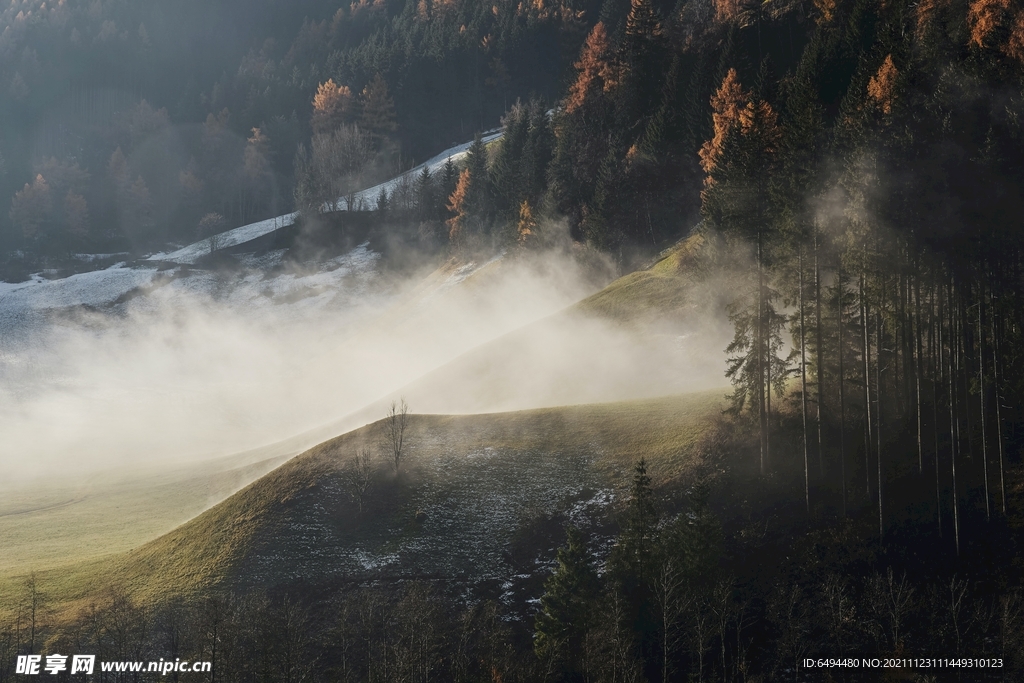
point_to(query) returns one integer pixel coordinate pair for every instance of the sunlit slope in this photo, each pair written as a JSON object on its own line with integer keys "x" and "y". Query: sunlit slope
{"x": 664, "y": 290}
{"x": 49, "y": 524}
{"x": 468, "y": 484}
{"x": 654, "y": 332}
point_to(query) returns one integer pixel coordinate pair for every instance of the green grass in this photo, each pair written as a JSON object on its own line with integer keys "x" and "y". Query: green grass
{"x": 657, "y": 291}
{"x": 495, "y": 470}
{"x": 48, "y": 526}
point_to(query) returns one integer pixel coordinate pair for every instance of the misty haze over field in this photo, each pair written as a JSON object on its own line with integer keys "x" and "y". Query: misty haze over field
{"x": 213, "y": 363}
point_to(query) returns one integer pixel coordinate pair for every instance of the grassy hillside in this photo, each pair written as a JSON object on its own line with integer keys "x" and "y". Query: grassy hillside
{"x": 662, "y": 290}
{"x": 469, "y": 485}
{"x": 621, "y": 343}
{"x": 52, "y": 524}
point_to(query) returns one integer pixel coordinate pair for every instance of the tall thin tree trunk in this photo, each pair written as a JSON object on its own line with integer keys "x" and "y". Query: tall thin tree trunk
{"x": 819, "y": 365}
{"x": 878, "y": 420}
{"x": 935, "y": 339}
{"x": 866, "y": 355}
{"x": 762, "y": 415}
{"x": 953, "y": 423}
{"x": 999, "y": 414}
{"x": 963, "y": 372}
{"x": 981, "y": 397}
{"x": 803, "y": 384}
{"x": 918, "y": 368}
{"x": 842, "y": 391}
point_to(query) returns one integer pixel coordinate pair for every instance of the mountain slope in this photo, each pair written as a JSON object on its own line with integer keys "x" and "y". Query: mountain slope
{"x": 653, "y": 332}
{"x": 471, "y": 487}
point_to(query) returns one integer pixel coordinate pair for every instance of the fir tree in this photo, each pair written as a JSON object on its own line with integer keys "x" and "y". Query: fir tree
{"x": 426, "y": 204}
{"x": 567, "y": 607}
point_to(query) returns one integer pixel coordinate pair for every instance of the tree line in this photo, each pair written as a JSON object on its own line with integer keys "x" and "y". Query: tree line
{"x": 677, "y": 594}
{"x": 226, "y": 116}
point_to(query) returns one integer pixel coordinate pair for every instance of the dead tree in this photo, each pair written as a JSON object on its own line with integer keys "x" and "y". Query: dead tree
{"x": 394, "y": 432}
{"x": 358, "y": 474}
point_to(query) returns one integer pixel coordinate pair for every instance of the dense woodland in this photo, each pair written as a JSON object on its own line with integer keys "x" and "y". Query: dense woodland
{"x": 856, "y": 167}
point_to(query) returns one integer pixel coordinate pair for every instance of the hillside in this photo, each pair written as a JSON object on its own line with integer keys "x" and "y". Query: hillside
{"x": 582, "y": 353}
{"x": 470, "y": 505}
{"x": 52, "y": 524}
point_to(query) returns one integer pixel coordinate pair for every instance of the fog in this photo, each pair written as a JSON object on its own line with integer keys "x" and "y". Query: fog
{"x": 215, "y": 364}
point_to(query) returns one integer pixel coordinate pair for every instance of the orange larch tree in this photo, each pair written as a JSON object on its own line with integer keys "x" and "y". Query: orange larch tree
{"x": 595, "y": 67}
{"x": 457, "y": 206}
{"x": 332, "y": 106}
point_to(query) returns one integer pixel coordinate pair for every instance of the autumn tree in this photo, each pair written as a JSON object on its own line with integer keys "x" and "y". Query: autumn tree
{"x": 882, "y": 86}
{"x": 333, "y": 105}
{"x": 596, "y": 70}
{"x": 584, "y": 146}
{"x": 737, "y": 160}
{"x": 526, "y": 227}
{"x": 458, "y": 206}
{"x": 470, "y": 203}
{"x": 989, "y": 22}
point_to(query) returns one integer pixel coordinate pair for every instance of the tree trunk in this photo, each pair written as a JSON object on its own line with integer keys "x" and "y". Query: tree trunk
{"x": 953, "y": 423}
{"x": 842, "y": 392}
{"x": 999, "y": 414}
{"x": 803, "y": 385}
{"x": 819, "y": 366}
{"x": 918, "y": 368}
{"x": 935, "y": 341}
{"x": 878, "y": 420}
{"x": 761, "y": 413}
{"x": 981, "y": 398}
{"x": 866, "y": 355}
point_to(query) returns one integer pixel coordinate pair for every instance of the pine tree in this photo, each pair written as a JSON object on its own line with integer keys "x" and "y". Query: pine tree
{"x": 567, "y": 606}
{"x": 378, "y": 109}
{"x": 637, "y": 538}
{"x": 426, "y": 203}
{"x": 449, "y": 178}
{"x": 738, "y": 160}
{"x": 478, "y": 195}
{"x": 642, "y": 62}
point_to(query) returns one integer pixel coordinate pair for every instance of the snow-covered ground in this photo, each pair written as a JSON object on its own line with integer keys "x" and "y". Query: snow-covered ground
{"x": 367, "y": 197}
{"x": 26, "y": 307}
{"x": 229, "y": 238}
{"x": 434, "y": 165}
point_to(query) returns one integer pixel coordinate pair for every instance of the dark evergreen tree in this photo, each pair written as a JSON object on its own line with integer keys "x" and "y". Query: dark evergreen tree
{"x": 567, "y": 609}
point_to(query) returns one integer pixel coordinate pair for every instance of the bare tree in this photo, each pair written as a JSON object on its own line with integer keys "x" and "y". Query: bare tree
{"x": 394, "y": 432}
{"x": 210, "y": 228}
{"x": 673, "y": 599}
{"x": 358, "y": 474}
